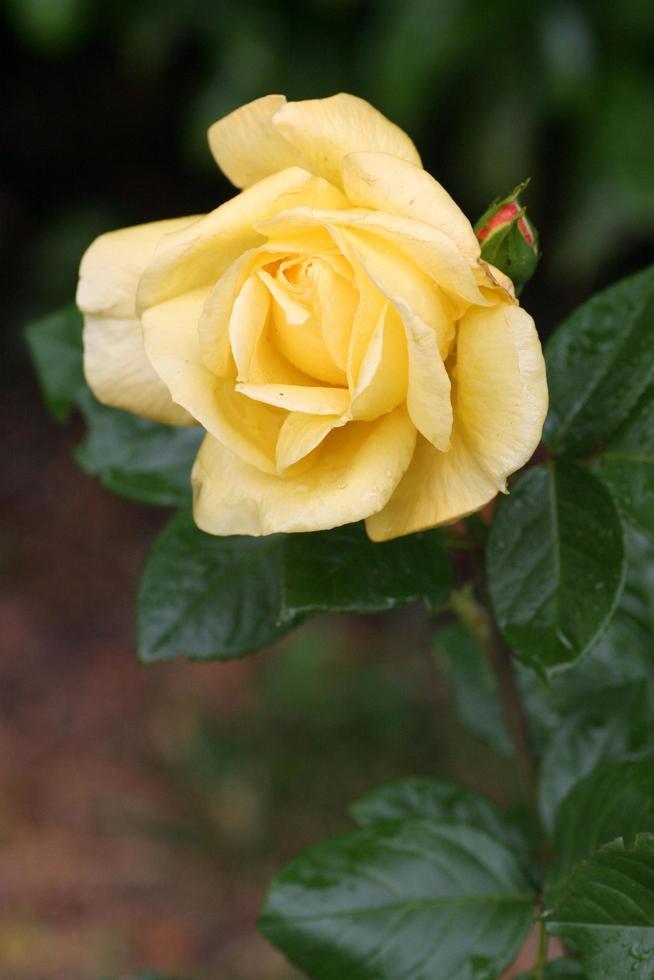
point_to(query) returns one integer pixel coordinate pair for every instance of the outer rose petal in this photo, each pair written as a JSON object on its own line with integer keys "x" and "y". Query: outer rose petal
{"x": 503, "y": 397}
{"x": 385, "y": 183}
{"x": 245, "y": 145}
{"x": 323, "y": 131}
{"x": 352, "y": 476}
{"x": 115, "y": 363}
{"x": 438, "y": 488}
{"x": 499, "y": 410}
{"x": 200, "y": 253}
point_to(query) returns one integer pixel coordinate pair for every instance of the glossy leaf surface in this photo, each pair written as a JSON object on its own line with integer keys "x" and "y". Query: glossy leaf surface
{"x": 342, "y": 570}
{"x": 607, "y": 912}
{"x": 409, "y": 900}
{"x": 599, "y": 363}
{"x": 556, "y": 564}
{"x": 208, "y": 597}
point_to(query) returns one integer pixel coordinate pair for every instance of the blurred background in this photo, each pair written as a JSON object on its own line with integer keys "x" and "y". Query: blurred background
{"x": 142, "y": 811}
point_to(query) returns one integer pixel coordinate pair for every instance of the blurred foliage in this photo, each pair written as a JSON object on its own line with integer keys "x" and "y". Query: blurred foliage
{"x": 283, "y": 773}
{"x": 107, "y": 105}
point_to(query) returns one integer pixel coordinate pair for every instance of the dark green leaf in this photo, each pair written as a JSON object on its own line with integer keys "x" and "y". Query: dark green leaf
{"x": 55, "y": 344}
{"x": 208, "y": 597}
{"x": 623, "y": 656}
{"x": 607, "y": 912}
{"x": 438, "y": 799}
{"x": 613, "y": 801}
{"x": 344, "y": 571}
{"x": 556, "y": 564}
{"x": 135, "y": 457}
{"x": 412, "y": 899}
{"x": 464, "y": 662}
{"x": 557, "y": 970}
{"x": 599, "y": 363}
{"x": 616, "y": 725}
{"x": 626, "y": 463}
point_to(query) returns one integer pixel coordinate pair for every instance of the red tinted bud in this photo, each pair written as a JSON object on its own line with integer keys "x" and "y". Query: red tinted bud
{"x": 508, "y": 240}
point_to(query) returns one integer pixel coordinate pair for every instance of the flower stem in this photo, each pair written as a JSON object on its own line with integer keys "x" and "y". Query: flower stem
{"x": 476, "y": 612}
{"x": 500, "y": 659}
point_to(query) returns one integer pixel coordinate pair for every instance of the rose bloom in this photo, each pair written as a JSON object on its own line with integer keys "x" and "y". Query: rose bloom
{"x": 332, "y": 327}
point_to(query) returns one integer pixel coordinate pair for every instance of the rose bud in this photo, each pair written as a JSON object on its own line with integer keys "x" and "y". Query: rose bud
{"x": 508, "y": 239}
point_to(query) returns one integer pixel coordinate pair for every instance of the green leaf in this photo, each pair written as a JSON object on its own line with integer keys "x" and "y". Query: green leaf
{"x": 599, "y": 363}
{"x": 465, "y": 665}
{"x": 557, "y": 970}
{"x": 55, "y": 345}
{"x": 624, "y": 654}
{"x": 556, "y": 564}
{"x": 132, "y": 456}
{"x": 607, "y": 911}
{"x": 401, "y": 899}
{"x": 626, "y": 464}
{"x": 443, "y": 800}
{"x": 135, "y": 457}
{"x": 342, "y": 570}
{"x": 616, "y": 725}
{"x": 208, "y": 597}
{"x": 615, "y": 800}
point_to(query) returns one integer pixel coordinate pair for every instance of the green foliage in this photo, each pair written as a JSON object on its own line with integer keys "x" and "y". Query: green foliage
{"x": 414, "y": 898}
{"x": 626, "y": 463}
{"x": 438, "y": 799}
{"x": 344, "y": 571}
{"x": 556, "y": 564}
{"x": 602, "y": 391}
{"x": 438, "y": 880}
{"x": 209, "y": 597}
{"x": 135, "y": 457}
{"x": 613, "y": 801}
{"x": 599, "y": 363}
{"x": 462, "y": 657}
{"x": 132, "y": 456}
{"x": 606, "y": 911}
{"x": 55, "y": 345}
{"x": 616, "y": 725}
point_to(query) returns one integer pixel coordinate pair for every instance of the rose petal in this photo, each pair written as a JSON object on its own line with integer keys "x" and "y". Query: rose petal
{"x": 246, "y": 146}
{"x": 199, "y": 254}
{"x": 500, "y": 403}
{"x": 171, "y": 341}
{"x": 324, "y": 131}
{"x": 297, "y": 398}
{"x": 503, "y": 398}
{"x": 115, "y": 363}
{"x": 301, "y": 434}
{"x": 382, "y": 378}
{"x": 429, "y": 398}
{"x": 385, "y": 183}
{"x": 247, "y": 322}
{"x": 354, "y": 473}
{"x": 437, "y": 488}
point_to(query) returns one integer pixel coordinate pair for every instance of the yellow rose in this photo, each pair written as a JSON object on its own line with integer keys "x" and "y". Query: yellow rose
{"x": 332, "y": 327}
